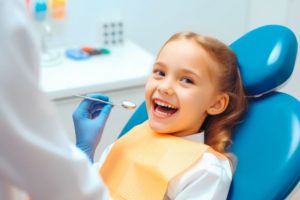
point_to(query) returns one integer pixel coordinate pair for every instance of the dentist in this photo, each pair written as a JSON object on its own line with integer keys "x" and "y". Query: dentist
{"x": 36, "y": 158}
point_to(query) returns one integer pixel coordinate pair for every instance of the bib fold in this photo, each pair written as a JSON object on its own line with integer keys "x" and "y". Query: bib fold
{"x": 141, "y": 163}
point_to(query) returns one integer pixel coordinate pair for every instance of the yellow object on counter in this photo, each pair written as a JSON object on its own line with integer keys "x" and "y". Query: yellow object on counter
{"x": 58, "y": 8}
{"x": 141, "y": 163}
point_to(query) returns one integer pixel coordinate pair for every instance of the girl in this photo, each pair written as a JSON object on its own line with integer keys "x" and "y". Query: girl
{"x": 194, "y": 99}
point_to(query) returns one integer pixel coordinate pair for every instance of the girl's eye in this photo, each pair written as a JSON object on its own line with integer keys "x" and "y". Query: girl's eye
{"x": 158, "y": 72}
{"x": 187, "y": 80}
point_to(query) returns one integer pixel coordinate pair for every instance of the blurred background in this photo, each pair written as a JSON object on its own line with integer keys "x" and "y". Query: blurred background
{"x": 150, "y": 23}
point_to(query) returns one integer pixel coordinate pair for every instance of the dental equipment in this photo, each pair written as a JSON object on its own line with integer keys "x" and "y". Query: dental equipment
{"x": 125, "y": 104}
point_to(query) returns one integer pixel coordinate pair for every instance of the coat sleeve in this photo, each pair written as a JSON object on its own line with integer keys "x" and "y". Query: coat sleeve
{"x": 208, "y": 179}
{"x": 35, "y": 154}
{"x": 103, "y": 157}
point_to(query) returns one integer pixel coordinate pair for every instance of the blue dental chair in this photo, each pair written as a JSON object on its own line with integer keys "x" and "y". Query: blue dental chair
{"x": 267, "y": 142}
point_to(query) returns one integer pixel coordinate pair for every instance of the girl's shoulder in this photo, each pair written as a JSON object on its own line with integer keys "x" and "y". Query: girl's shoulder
{"x": 215, "y": 160}
{"x": 212, "y": 168}
{"x": 216, "y": 154}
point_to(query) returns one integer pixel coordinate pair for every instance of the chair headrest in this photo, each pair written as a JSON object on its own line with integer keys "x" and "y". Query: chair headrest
{"x": 266, "y": 57}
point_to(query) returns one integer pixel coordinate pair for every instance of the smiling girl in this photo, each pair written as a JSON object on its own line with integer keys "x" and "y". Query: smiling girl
{"x": 194, "y": 99}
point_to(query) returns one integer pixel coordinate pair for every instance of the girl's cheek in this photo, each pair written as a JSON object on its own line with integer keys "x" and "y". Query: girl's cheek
{"x": 150, "y": 85}
{"x": 148, "y": 91}
{"x": 147, "y": 88}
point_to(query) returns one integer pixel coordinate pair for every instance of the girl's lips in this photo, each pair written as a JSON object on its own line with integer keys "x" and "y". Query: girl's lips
{"x": 162, "y": 109}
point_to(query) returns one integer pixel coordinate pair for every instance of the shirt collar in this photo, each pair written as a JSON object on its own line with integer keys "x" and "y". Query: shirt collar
{"x": 197, "y": 137}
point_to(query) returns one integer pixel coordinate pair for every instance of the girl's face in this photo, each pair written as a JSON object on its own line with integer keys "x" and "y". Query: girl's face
{"x": 182, "y": 89}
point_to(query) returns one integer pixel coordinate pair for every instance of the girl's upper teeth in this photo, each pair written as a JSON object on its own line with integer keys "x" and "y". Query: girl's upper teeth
{"x": 165, "y": 105}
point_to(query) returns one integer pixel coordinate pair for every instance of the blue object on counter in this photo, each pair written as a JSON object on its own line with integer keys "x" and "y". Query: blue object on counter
{"x": 77, "y": 54}
{"x": 40, "y": 10}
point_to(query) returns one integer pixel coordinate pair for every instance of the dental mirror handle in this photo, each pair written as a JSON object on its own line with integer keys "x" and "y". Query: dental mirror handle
{"x": 125, "y": 104}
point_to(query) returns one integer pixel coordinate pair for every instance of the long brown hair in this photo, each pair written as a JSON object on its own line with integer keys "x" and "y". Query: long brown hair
{"x": 218, "y": 128}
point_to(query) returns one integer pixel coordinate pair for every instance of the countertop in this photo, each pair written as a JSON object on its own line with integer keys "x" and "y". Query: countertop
{"x": 127, "y": 65}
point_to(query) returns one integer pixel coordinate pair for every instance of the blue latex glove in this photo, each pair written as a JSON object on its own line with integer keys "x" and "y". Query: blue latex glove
{"x": 89, "y": 120}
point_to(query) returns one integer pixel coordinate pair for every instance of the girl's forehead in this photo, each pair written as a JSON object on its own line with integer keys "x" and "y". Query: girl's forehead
{"x": 186, "y": 53}
{"x": 185, "y": 50}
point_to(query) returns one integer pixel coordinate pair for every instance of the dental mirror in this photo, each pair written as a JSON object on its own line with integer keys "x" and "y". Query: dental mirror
{"x": 125, "y": 104}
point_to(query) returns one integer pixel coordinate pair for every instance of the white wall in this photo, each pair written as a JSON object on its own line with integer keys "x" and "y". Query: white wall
{"x": 150, "y": 23}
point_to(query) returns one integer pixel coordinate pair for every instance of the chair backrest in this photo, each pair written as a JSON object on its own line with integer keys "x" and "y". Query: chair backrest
{"x": 267, "y": 142}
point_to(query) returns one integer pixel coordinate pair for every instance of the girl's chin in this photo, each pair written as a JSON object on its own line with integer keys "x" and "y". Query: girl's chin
{"x": 159, "y": 127}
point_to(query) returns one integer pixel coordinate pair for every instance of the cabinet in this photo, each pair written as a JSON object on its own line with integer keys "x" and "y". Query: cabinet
{"x": 121, "y": 75}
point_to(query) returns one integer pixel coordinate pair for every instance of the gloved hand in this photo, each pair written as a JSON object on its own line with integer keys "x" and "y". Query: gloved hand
{"x": 89, "y": 120}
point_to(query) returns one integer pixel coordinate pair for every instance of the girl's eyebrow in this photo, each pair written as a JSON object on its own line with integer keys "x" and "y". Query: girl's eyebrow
{"x": 160, "y": 64}
{"x": 187, "y": 71}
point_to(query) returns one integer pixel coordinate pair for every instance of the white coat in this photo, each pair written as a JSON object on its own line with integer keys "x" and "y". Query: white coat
{"x": 35, "y": 154}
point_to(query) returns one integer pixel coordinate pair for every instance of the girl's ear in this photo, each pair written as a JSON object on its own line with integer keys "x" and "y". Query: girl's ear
{"x": 219, "y": 105}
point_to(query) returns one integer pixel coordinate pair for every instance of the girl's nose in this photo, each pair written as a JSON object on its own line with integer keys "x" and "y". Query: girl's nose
{"x": 166, "y": 88}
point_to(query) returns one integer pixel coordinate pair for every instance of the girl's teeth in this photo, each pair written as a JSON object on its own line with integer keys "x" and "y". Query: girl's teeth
{"x": 164, "y": 104}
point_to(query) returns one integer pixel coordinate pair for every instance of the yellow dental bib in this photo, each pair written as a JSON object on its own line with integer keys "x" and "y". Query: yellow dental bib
{"x": 141, "y": 163}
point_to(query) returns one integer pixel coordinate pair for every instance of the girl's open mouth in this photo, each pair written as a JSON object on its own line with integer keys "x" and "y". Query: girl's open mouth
{"x": 163, "y": 109}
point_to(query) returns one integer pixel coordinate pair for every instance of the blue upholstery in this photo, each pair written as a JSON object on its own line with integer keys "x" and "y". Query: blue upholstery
{"x": 267, "y": 142}
{"x": 266, "y": 56}
{"x": 267, "y": 148}
{"x": 139, "y": 116}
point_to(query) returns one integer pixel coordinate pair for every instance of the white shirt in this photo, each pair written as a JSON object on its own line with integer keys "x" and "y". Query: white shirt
{"x": 208, "y": 179}
{"x": 35, "y": 153}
